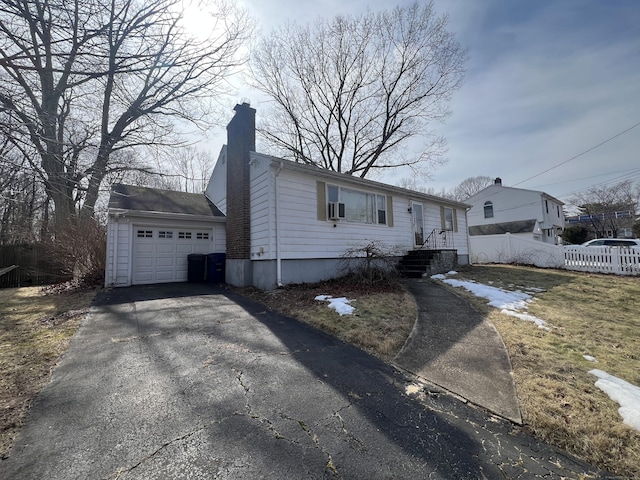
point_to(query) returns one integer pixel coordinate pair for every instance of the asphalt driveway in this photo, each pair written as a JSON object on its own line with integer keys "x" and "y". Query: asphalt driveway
{"x": 192, "y": 381}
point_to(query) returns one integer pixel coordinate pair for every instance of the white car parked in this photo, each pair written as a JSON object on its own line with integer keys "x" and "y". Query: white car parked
{"x": 612, "y": 242}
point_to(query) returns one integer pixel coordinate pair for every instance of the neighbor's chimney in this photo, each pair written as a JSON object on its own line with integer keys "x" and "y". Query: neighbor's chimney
{"x": 241, "y": 139}
{"x": 497, "y": 181}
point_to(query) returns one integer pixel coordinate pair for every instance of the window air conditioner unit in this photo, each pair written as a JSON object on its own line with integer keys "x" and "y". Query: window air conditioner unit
{"x": 336, "y": 211}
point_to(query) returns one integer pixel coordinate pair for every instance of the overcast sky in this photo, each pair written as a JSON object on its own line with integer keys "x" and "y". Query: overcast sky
{"x": 546, "y": 80}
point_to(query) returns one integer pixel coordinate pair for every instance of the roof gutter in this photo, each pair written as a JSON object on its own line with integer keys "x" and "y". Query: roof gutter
{"x": 149, "y": 214}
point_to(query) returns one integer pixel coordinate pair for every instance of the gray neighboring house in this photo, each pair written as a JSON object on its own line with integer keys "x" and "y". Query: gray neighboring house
{"x": 151, "y": 232}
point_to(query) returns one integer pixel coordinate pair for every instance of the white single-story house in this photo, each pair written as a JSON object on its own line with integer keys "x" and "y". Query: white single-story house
{"x": 278, "y": 222}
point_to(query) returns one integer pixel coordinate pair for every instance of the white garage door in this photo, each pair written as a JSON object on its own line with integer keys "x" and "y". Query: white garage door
{"x": 160, "y": 253}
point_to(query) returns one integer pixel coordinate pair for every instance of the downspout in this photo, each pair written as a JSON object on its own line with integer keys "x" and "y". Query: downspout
{"x": 114, "y": 257}
{"x": 277, "y": 222}
{"x": 466, "y": 224}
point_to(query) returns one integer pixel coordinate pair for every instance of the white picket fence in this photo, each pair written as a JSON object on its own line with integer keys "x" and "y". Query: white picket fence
{"x": 618, "y": 260}
{"x": 519, "y": 249}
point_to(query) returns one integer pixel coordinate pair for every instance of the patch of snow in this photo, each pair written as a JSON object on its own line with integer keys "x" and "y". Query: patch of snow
{"x": 340, "y": 305}
{"x": 439, "y": 276}
{"x": 509, "y": 302}
{"x": 589, "y": 358}
{"x": 452, "y": 272}
{"x": 624, "y": 393}
{"x": 527, "y": 318}
{"x": 536, "y": 289}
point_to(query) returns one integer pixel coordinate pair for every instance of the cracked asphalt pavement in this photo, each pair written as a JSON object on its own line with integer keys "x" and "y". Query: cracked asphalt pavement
{"x": 192, "y": 381}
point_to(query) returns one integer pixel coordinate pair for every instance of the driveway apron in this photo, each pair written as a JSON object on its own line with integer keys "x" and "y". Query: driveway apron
{"x": 193, "y": 381}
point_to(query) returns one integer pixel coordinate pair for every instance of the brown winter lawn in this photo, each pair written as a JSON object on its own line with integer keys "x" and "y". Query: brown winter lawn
{"x": 595, "y": 315}
{"x": 35, "y": 329}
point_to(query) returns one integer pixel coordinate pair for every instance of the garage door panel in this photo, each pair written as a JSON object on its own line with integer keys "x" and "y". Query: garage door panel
{"x": 144, "y": 277}
{"x": 165, "y": 249}
{"x": 184, "y": 249}
{"x": 160, "y": 256}
{"x": 164, "y": 262}
{"x": 143, "y": 262}
{"x": 165, "y": 277}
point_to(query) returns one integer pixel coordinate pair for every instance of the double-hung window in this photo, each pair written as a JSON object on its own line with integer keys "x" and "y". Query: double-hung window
{"x": 449, "y": 219}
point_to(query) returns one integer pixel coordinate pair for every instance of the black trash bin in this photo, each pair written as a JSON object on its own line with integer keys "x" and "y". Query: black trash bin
{"x": 196, "y": 267}
{"x": 216, "y": 267}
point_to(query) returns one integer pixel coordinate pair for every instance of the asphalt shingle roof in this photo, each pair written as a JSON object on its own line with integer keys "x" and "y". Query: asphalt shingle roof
{"x": 129, "y": 197}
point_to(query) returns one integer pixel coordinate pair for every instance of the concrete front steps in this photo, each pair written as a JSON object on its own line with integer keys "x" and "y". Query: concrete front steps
{"x": 419, "y": 263}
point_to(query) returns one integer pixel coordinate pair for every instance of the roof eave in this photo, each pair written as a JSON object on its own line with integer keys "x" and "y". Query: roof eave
{"x": 363, "y": 182}
{"x": 119, "y": 212}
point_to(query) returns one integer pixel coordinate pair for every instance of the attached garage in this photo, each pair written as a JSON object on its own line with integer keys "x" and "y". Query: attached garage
{"x": 151, "y": 233}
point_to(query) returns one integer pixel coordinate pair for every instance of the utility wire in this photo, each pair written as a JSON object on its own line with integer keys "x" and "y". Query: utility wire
{"x": 579, "y": 155}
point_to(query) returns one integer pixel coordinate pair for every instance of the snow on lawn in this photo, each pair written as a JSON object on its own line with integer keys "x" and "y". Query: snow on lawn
{"x": 515, "y": 302}
{"x": 509, "y": 302}
{"x": 624, "y": 393}
{"x": 340, "y": 305}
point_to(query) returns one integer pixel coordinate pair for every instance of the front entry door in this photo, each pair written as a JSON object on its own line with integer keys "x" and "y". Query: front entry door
{"x": 418, "y": 223}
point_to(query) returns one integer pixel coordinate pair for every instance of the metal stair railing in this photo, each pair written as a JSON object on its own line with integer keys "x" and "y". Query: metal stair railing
{"x": 435, "y": 240}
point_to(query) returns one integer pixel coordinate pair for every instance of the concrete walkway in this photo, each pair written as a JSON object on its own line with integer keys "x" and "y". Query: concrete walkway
{"x": 186, "y": 381}
{"x": 455, "y": 347}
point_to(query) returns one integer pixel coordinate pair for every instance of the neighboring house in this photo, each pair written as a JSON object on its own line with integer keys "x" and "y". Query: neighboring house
{"x": 285, "y": 222}
{"x": 618, "y": 224}
{"x": 498, "y": 210}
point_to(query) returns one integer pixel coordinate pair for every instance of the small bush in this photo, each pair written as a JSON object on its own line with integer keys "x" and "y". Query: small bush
{"x": 81, "y": 250}
{"x": 371, "y": 264}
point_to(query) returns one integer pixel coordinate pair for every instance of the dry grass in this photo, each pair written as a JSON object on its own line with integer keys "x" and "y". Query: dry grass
{"x": 380, "y": 324}
{"x": 590, "y": 314}
{"x": 35, "y": 330}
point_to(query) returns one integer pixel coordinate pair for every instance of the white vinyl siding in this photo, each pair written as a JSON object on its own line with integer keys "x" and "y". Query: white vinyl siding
{"x": 216, "y": 190}
{"x": 303, "y": 236}
{"x": 119, "y": 237}
{"x": 262, "y": 211}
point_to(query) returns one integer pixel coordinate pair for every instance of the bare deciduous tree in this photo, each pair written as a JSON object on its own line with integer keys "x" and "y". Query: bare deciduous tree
{"x": 351, "y": 93}
{"x": 82, "y": 79}
{"x": 412, "y": 183}
{"x": 470, "y": 186}
{"x": 185, "y": 169}
{"x": 609, "y": 206}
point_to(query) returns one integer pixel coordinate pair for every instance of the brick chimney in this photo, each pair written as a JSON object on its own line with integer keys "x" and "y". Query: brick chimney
{"x": 241, "y": 139}
{"x": 497, "y": 181}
